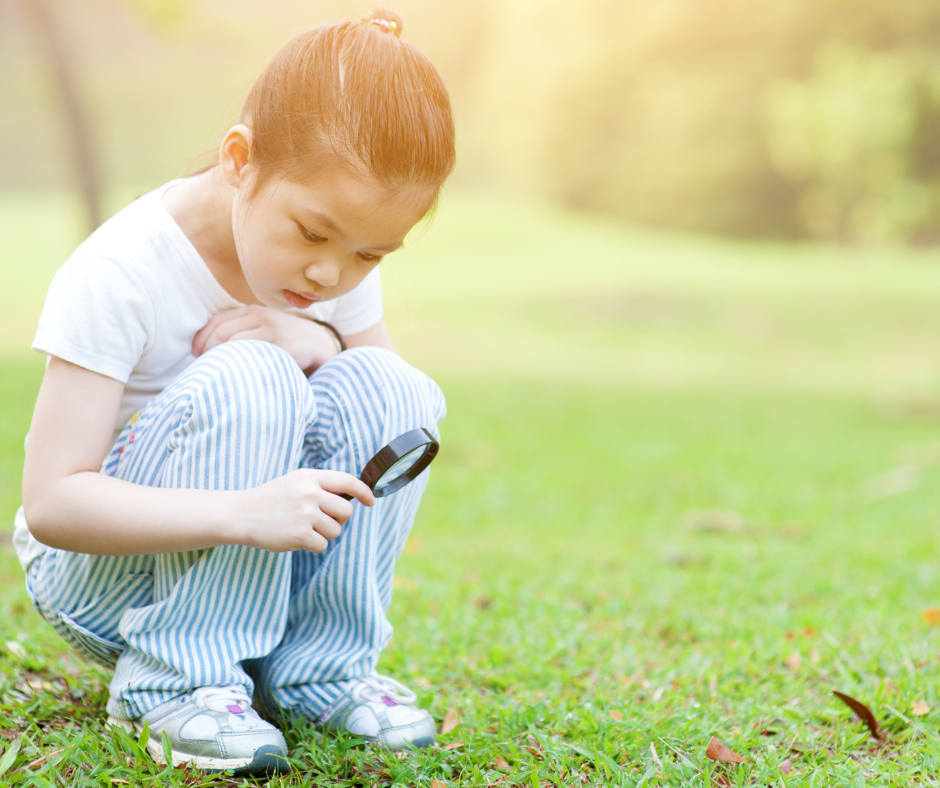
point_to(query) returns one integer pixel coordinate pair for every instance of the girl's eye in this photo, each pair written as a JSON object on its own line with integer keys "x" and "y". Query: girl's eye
{"x": 369, "y": 258}
{"x": 310, "y": 236}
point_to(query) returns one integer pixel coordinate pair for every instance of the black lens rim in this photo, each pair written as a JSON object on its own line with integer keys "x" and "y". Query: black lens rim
{"x": 392, "y": 453}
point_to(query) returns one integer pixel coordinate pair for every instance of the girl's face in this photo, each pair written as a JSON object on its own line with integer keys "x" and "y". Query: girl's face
{"x": 299, "y": 243}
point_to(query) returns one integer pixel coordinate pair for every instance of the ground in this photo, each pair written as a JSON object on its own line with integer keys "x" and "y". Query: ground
{"x": 687, "y": 489}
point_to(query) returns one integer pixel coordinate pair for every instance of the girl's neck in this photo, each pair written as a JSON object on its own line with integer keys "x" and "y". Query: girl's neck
{"x": 202, "y": 206}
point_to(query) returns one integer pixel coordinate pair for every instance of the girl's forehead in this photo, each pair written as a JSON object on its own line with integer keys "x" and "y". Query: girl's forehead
{"x": 340, "y": 201}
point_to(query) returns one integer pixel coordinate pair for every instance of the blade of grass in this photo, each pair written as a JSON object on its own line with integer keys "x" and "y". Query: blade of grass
{"x": 9, "y": 756}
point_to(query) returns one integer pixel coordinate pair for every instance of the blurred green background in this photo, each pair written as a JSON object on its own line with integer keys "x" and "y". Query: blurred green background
{"x": 802, "y": 119}
{"x": 679, "y": 195}
{"x": 682, "y": 295}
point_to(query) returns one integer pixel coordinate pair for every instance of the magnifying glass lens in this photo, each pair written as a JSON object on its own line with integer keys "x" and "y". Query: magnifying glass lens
{"x": 400, "y": 468}
{"x": 399, "y": 463}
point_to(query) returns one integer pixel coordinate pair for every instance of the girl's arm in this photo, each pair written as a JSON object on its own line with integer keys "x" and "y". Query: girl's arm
{"x": 71, "y": 506}
{"x": 377, "y": 336}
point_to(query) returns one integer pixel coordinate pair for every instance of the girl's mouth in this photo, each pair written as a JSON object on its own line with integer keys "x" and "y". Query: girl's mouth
{"x": 298, "y": 301}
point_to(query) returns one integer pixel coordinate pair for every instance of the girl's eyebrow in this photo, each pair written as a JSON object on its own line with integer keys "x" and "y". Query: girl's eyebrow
{"x": 323, "y": 219}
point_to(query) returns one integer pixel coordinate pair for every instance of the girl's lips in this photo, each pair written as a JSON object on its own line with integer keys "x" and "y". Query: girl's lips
{"x": 298, "y": 301}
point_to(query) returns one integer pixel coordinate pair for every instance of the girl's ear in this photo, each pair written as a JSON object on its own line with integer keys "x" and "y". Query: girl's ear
{"x": 233, "y": 155}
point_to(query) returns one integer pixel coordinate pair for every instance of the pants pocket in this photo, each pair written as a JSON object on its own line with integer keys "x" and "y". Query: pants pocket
{"x": 92, "y": 630}
{"x": 90, "y": 645}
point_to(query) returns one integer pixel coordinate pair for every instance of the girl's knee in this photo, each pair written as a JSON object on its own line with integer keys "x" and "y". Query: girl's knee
{"x": 247, "y": 360}
{"x": 250, "y": 377}
{"x": 235, "y": 418}
{"x": 371, "y": 375}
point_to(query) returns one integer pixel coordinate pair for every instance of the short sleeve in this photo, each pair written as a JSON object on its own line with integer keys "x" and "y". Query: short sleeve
{"x": 361, "y": 308}
{"x": 97, "y": 315}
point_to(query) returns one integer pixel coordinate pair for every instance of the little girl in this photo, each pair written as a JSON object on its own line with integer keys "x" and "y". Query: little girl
{"x": 182, "y": 489}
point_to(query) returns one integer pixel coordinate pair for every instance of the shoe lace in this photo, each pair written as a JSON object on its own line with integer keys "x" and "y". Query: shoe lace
{"x": 232, "y": 699}
{"x": 383, "y": 689}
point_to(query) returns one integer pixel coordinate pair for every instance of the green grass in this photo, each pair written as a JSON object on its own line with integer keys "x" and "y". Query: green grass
{"x": 605, "y": 387}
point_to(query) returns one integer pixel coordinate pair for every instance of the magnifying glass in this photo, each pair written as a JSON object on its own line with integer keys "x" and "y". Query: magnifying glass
{"x": 399, "y": 463}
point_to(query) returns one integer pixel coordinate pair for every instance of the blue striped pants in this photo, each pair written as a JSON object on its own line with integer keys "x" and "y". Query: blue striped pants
{"x": 289, "y": 626}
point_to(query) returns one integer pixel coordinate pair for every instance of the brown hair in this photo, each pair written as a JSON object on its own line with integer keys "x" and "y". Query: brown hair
{"x": 355, "y": 93}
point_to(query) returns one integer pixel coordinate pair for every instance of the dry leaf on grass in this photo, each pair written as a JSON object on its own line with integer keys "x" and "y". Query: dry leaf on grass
{"x": 678, "y": 557}
{"x": 501, "y": 765}
{"x": 451, "y": 721}
{"x": 862, "y": 711}
{"x": 617, "y": 715}
{"x": 919, "y": 708}
{"x": 655, "y": 755}
{"x": 793, "y": 661}
{"x": 931, "y": 616}
{"x": 15, "y": 648}
{"x": 434, "y": 784}
{"x": 41, "y": 760}
{"x": 454, "y": 745}
{"x": 717, "y": 751}
{"x": 897, "y": 481}
{"x": 715, "y": 520}
{"x": 785, "y": 766}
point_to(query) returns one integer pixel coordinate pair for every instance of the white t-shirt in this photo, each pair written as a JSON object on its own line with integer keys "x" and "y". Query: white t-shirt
{"x": 129, "y": 301}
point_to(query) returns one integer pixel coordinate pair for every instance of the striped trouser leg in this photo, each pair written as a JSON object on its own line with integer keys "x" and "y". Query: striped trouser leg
{"x": 337, "y": 625}
{"x": 236, "y": 418}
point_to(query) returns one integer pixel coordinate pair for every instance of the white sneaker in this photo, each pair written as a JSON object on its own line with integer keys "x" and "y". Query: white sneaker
{"x": 382, "y": 711}
{"x": 215, "y": 729}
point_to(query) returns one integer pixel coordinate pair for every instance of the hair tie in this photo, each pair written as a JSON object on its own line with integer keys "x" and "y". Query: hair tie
{"x": 386, "y": 25}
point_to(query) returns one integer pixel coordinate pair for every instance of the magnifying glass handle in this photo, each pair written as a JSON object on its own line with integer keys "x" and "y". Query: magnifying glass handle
{"x": 344, "y": 495}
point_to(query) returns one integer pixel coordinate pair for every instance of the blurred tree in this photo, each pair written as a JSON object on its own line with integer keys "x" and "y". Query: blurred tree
{"x": 58, "y": 55}
{"x": 643, "y": 110}
{"x": 845, "y": 135}
{"x": 57, "y": 51}
{"x": 657, "y": 112}
{"x": 677, "y": 113}
{"x": 160, "y": 14}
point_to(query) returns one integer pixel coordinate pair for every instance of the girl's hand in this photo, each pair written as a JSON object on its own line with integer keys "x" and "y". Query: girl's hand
{"x": 311, "y": 345}
{"x": 299, "y": 511}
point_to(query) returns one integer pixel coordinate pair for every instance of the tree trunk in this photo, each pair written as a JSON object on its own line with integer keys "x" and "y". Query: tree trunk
{"x": 56, "y": 53}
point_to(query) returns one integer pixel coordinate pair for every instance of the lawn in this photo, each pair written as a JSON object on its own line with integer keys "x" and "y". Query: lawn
{"x": 687, "y": 489}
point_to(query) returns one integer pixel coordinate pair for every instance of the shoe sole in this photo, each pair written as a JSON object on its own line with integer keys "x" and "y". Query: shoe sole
{"x": 267, "y": 759}
{"x": 421, "y": 743}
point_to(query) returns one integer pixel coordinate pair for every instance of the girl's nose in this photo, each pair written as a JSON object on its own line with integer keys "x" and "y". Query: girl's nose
{"x": 325, "y": 271}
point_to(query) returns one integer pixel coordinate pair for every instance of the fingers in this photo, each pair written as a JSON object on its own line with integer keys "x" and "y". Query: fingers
{"x": 315, "y": 543}
{"x": 309, "y": 344}
{"x": 328, "y": 527}
{"x": 236, "y": 324}
{"x": 222, "y": 327}
{"x": 334, "y": 511}
{"x": 301, "y": 510}
{"x": 338, "y": 482}
{"x": 339, "y": 509}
